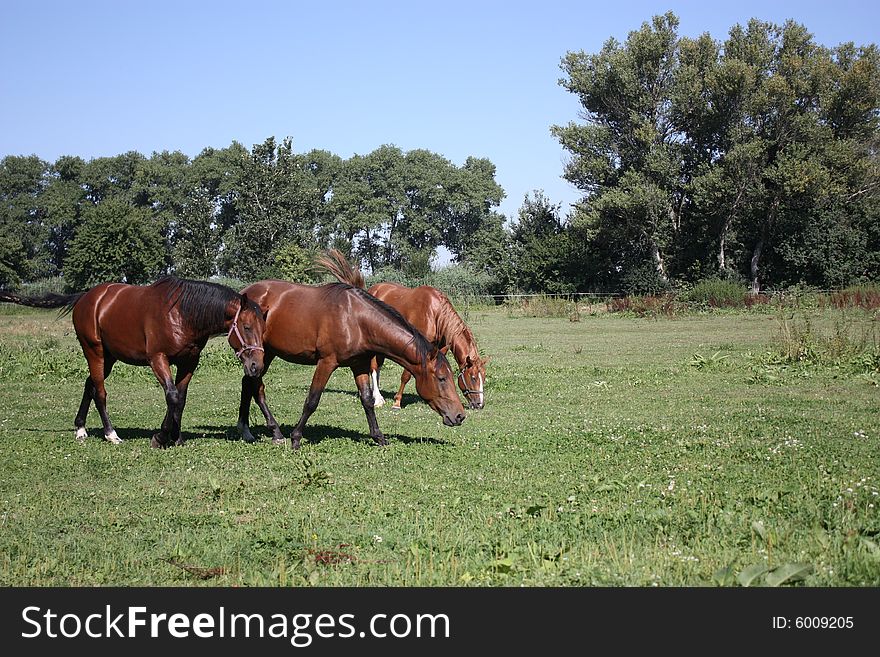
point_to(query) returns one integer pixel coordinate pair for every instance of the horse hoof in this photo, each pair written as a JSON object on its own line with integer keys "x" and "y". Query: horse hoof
{"x": 156, "y": 443}
{"x": 81, "y": 434}
{"x": 378, "y": 402}
{"x": 395, "y": 408}
{"x": 113, "y": 438}
{"x": 179, "y": 442}
{"x": 382, "y": 442}
{"x": 279, "y": 441}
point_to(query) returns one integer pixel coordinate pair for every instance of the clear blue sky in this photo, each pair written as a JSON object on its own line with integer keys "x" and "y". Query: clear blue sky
{"x": 458, "y": 78}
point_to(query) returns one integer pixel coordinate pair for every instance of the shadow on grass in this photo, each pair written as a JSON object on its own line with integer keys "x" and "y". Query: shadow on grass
{"x": 313, "y": 434}
{"x": 389, "y": 396}
{"x": 318, "y": 433}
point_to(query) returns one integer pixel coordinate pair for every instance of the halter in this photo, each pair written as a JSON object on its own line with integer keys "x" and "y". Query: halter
{"x": 244, "y": 345}
{"x": 467, "y": 391}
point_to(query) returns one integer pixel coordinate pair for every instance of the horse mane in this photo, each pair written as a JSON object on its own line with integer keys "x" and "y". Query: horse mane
{"x": 201, "y": 304}
{"x": 449, "y": 323}
{"x": 336, "y": 264}
{"x": 423, "y": 347}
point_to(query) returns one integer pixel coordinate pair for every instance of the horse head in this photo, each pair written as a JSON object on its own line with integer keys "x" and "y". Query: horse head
{"x": 472, "y": 379}
{"x": 246, "y": 335}
{"x": 436, "y": 385}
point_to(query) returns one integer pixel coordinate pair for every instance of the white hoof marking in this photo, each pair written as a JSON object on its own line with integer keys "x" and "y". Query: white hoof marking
{"x": 113, "y": 438}
{"x": 81, "y": 434}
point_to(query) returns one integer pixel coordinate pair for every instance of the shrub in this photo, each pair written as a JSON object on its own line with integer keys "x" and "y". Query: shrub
{"x": 717, "y": 293}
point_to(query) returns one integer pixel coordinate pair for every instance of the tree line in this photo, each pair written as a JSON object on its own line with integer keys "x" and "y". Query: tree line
{"x": 753, "y": 159}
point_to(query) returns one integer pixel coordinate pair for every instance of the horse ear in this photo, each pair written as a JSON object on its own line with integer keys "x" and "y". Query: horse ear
{"x": 444, "y": 350}
{"x": 243, "y": 298}
{"x": 468, "y": 362}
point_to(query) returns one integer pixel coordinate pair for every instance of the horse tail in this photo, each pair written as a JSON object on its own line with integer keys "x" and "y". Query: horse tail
{"x": 335, "y": 263}
{"x": 64, "y": 301}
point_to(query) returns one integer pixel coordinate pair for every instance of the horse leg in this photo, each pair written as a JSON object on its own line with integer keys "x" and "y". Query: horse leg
{"x": 398, "y": 398}
{"x": 376, "y": 365}
{"x": 181, "y": 382}
{"x": 99, "y": 369}
{"x": 162, "y": 369}
{"x": 319, "y": 382}
{"x": 79, "y": 422}
{"x": 244, "y": 409}
{"x": 252, "y": 388}
{"x": 362, "y": 374}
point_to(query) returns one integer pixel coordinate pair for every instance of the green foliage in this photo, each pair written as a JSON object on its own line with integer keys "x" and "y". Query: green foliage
{"x": 115, "y": 242}
{"x": 293, "y": 263}
{"x": 844, "y": 339}
{"x": 739, "y": 157}
{"x": 717, "y": 293}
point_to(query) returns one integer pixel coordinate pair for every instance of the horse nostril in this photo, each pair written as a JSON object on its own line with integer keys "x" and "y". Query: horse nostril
{"x": 459, "y": 418}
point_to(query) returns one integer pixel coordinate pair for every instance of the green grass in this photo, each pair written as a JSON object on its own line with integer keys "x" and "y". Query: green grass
{"x": 612, "y": 451}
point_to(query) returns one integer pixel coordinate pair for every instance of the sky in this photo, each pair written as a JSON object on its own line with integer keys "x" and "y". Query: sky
{"x": 473, "y": 78}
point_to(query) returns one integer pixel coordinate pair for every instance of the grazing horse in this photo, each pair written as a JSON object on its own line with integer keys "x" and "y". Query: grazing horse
{"x": 160, "y": 325}
{"x": 337, "y": 325}
{"x": 431, "y": 312}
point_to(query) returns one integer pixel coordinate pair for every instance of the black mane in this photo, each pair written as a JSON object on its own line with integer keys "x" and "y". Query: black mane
{"x": 423, "y": 347}
{"x": 202, "y": 304}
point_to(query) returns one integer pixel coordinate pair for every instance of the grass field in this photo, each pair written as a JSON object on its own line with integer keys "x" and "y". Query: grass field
{"x": 613, "y": 450}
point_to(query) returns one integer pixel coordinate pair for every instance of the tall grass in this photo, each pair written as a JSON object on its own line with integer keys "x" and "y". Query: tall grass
{"x": 846, "y": 338}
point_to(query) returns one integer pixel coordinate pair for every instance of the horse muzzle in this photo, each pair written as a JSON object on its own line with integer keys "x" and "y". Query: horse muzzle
{"x": 450, "y": 421}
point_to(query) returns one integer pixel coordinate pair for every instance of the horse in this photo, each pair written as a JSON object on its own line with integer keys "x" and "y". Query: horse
{"x": 159, "y": 325}
{"x": 431, "y": 312}
{"x": 335, "y": 325}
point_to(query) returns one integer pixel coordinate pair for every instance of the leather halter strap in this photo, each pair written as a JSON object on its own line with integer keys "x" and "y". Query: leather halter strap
{"x": 467, "y": 391}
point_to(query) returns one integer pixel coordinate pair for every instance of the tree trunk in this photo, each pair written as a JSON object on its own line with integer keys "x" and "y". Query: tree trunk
{"x": 658, "y": 261}
{"x": 759, "y": 247}
{"x": 756, "y": 256}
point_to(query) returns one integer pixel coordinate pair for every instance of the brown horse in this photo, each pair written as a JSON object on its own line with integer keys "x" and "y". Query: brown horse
{"x": 431, "y": 312}
{"x": 337, "y": 325}
{"x": 160, "y": 325}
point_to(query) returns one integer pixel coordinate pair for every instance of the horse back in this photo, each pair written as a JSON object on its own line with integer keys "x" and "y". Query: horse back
{"x": 131, "y": 323}
{"x": 420, "y": 306}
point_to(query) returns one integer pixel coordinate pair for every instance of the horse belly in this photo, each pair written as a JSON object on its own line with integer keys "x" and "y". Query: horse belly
{"x": 114, "y": 323}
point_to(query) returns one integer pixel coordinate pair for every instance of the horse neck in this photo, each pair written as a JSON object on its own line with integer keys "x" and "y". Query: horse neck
{"x": 463, "y": 346}
{"x": 387, "y": 337}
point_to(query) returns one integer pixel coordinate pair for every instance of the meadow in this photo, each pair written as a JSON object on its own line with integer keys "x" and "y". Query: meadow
{"x": 706, "y": 449}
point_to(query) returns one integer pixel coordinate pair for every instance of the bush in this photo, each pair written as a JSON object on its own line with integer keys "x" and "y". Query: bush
{"x": 717, "y": 293}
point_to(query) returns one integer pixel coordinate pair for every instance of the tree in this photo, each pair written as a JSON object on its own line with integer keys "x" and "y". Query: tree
{"x": 628, "y": 156}
{"x": 64, "y": 199}
{"x": 541, "y": 248}
{"x": 750, "y": 158}
{"x": 23, "y": 252}
{"x": 115, "y": 242}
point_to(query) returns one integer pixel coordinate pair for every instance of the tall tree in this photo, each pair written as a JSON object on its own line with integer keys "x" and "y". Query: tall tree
{"x": 23, "y": 246}
{"x": 115, "y": 242}
{"x": 628, "y": 155}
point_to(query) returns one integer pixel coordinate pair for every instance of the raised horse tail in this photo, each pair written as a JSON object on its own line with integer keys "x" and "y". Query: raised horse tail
{"x": 65, "y": 301}
{"x": 336, "y": 264}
